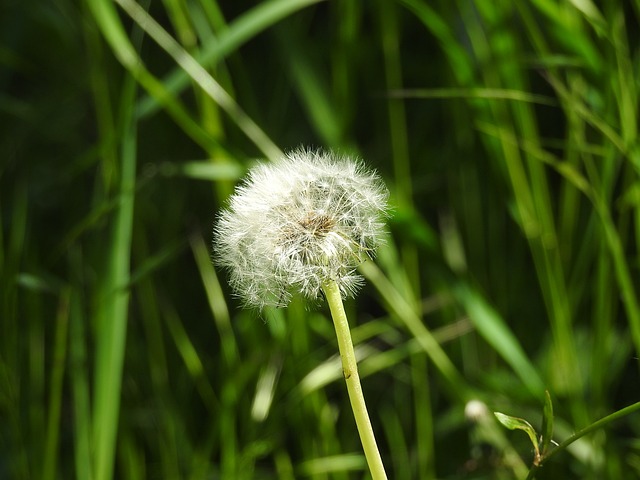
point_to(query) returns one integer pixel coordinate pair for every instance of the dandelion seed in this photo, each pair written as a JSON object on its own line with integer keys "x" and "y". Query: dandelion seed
{"x": 476, "y": 410}
{"x": 295, "y": 224}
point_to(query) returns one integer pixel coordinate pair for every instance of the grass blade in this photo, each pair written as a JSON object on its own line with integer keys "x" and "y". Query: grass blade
{"x": 199, "y": 75}
{"x": 113, "y": 316}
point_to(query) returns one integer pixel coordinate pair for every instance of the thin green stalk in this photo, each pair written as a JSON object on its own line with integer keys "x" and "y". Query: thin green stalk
{"x": 586, "y": 430}
{"x": 424, "y": 416}
{"x": 79, "y": 385}
{"x": 594, "y": 426}
{"x": 216, "y": 300}
{"x": 350, "y": 370}
{"x": 57, "y": 379}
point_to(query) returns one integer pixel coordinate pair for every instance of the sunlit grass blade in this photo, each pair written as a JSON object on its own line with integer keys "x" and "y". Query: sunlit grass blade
{"x": 107, "y": 19}
{"x": 334, "y": 464}
{"x": 313, "y": 91}
{"x": 404, "y": 312}
{"x": 235, "y": 34}
{"x": 217, "y": 302}
{"x": 112, "y": 319}
{"x": 474, "y": 93}
{"x": 495, "y": 331}
{"x": 611, "y": 234}
{"x": 199, "y": 75}
{"x": 191, "y": 359}
{"x": 436, "y": 23}
{"x": 203, "y": 170}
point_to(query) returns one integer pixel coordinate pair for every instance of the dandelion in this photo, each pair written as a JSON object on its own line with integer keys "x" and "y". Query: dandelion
{"x": 476, "y": 410}
{"x": 293, "y": 225}
{"x": 302, "y": 225}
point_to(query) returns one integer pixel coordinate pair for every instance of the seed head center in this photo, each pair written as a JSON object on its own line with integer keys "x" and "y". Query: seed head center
{"x": 317, "y": 224}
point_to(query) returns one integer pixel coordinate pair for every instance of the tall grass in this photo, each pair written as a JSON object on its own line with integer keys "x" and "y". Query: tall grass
{"x": 507, "y": 133}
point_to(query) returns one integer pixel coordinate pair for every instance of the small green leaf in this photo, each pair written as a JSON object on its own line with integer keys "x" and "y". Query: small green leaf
{"x": 515, "y": 423}
{"x": 547, "y": 423}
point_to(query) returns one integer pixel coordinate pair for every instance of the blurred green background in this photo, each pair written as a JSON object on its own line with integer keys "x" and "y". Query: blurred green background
{"x": 507, "y": 132}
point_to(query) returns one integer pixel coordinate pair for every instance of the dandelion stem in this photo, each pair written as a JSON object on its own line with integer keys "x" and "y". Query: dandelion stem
{"x": 350, "y": 370}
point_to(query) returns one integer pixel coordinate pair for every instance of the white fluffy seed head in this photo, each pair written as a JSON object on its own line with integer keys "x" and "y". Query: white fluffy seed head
{"x": 293, "y": 225}
{"x": 476, "y": 410}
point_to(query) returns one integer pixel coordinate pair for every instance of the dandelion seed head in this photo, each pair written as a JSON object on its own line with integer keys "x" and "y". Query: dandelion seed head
{"x": 476, "y": 410}
{"x": 292, "y": 225}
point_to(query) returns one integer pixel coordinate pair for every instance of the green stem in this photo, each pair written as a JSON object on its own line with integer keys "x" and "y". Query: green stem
{"x": 350, "y": 370}
{"x": 594, "y": 426}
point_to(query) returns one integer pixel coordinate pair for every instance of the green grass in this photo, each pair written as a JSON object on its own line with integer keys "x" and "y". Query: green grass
{"x": 507, "y": 132}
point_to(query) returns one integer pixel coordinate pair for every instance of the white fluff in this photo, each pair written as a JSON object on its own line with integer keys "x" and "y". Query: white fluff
{"x": 292, "y": 225}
